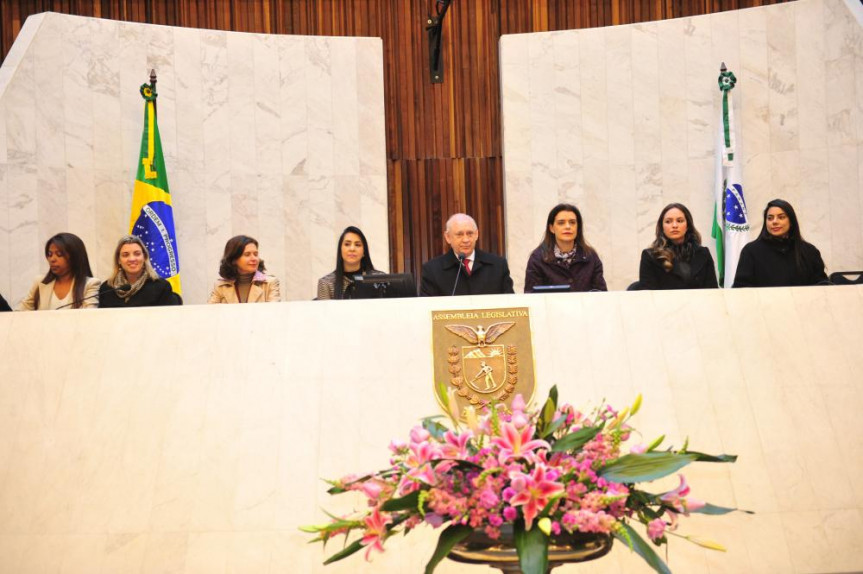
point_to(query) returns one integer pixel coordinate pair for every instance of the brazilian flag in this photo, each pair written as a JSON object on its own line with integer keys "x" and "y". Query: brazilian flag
{"x": 152, "y": 215}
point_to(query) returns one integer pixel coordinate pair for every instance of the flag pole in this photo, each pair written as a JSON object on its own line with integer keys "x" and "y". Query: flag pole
{"x": 153, "y": 87}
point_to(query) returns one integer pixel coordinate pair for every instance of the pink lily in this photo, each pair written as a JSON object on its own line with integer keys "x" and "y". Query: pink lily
{"x": 677, "y": 498}
{"x": 455, "y": 445}
{"x": 514, "y": 442}
{"x": 376, "y": 531}
{"x": 532, "y": 492}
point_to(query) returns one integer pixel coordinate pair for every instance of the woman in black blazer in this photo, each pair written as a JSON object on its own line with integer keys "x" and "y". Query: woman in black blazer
{"x": 779, "y": 257}
{"x": 676, "y": 259}
{"x": 132, "y": 269}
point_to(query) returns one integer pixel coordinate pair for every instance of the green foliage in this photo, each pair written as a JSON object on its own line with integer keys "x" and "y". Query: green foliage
{"x": 351, "y": 548}
{"x": 575, "y": 440}
{"x": 642, "y": 548}
{"x": 407, "y": 502}
{"x": 532, "y": 547}
{"x": 644, "y": 467}
{"x": 452, "y": 535}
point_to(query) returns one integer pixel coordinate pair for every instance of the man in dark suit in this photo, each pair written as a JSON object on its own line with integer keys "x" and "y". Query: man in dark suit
{"x": 478, "y": 272}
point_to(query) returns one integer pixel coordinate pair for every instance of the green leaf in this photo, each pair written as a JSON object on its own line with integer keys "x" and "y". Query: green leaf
{"x": 642, "y": 548}
{"x": 404, "y": 503}
{"x": 434, "y": 428}
{"x": 555, "y": 424}
{"x": 702, "y": 457}
{"x": 575, "y": 440}
{"x": 714, "y": 510}
{"x": 645, "y": 467}
{"x": 351, "y": 548}
{"x": 452, "y": 535}
{"x": 552, "y": 394}
{"x": 547, "y": 412}
{"x": 635, "y": 406}
{"x": 655, "y": 443}
{"x": 532, "y": 547}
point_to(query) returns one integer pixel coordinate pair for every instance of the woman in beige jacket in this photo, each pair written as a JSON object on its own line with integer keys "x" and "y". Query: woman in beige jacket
{"x": 241, "y": 275}
{"x": 69, "y": 283}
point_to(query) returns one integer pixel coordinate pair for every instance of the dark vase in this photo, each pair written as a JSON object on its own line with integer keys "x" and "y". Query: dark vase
{"x": 566, "y": 548}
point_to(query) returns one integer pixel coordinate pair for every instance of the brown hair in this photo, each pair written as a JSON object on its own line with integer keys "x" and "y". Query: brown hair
{"x": 661, "y": 248}
{"x": 233, "y": 250}
{"x": 79, "y": 264}
{"x": 548, "y": 241}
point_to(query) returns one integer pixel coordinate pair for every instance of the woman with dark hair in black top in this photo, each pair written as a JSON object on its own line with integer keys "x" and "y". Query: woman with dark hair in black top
{"x": 676, "y": 259}
{"x": 352, "y": 258}
{"x": 779, "y": 257}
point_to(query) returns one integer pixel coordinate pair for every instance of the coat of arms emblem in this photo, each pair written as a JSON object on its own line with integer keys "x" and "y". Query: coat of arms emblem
{"x": 482, "y": 357}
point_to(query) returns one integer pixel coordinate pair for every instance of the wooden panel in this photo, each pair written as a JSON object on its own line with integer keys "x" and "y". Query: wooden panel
{"x": 443, "y": 141}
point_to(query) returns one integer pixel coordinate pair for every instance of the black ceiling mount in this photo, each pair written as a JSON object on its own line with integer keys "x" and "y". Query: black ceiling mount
{"x": 434, "y": 28}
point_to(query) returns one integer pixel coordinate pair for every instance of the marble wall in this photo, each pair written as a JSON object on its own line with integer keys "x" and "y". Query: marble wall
{"x": 622, "y": 120}
{"x": 278, "y": 137}
{"x": 199, "y": 445}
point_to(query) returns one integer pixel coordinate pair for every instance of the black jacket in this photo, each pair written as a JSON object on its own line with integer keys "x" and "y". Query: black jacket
{"x": 702, "y": 272}
{"x": 584, "y": 274}
{"x": 489, "y": 275}
{"x": 153, "y": 294}
{"x": 771, "y": 263}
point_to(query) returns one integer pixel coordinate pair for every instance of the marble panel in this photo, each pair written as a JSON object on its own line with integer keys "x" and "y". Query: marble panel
{"x": 132, "y": 54}
{"x": 5, "y": 270}
{"x": 268, "y": 115}
{"x": 294, "y": 118}
{"x": 346, "y": 157}
{"x": 103, "y": 82}
{"x": 700, "y": 91}
{"x": 647, "y": 119}
{"x": 50, "y": 105}
{"x": 782, "y": 79}
{"x": 567, "y": 106}
{"x": 301, "y": 280}
{"x": 20, "y": 114}
{"x": 111, "y": 189}
{"x": 754, "y": 74}
{"x": 811, "y": 90}
{"x": 845, "y": 209}
{"x": 51, "y": 201}
{"x": 622, "y": 269}
{"x": 841, "y": 106}
{"x": 620, "y": 94}
{"x": 594, "y": 94}
{"x": 79, "y": 114}
{"x": 543, "y": 135}
{"x": 370, "y": 96}
{"x": 515, "y": 90}
{"x": 319, "y": 106}
{"x": 189, "y": 82}
{"x": 672, "y": 89}
{"x": 241, "y": 103}
{"x": 812, "y": 203}
{"x": 23, "y": 229}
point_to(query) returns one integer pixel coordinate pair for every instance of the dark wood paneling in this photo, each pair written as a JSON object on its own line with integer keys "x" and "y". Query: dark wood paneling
{"x": 443, "y": 141}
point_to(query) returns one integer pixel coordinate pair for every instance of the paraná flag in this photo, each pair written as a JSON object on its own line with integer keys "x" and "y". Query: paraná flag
{"x": 730, "y": 216}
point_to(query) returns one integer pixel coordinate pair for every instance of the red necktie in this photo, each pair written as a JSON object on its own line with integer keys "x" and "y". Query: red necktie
{"x": 467, "y": 266}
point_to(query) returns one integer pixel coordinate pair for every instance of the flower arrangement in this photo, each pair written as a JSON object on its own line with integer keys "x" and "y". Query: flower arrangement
{"x": 541, "y": 472}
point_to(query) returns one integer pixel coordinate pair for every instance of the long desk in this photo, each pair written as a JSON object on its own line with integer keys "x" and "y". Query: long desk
{"x": 194, "y": 439}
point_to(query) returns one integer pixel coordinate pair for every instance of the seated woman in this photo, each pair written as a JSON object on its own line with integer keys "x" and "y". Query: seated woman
{"x": 241, "y": 275}
{"x": 132, "y": 268}
{"x": 779, "y": 257}
{"x": 69, "y": 283}
{"x": 352, "y": 258}
{"x": 564, "y": 257}
{"x": 676, "y": 258}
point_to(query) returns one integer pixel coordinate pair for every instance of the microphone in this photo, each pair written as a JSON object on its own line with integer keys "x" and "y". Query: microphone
{"x": 461, "y": 259}
{"x": 123, "y": 287}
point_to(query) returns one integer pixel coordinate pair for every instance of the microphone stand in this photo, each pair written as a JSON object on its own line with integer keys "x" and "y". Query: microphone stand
{"x": 458, "y": 274}
{"x": 122, "y": 287}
